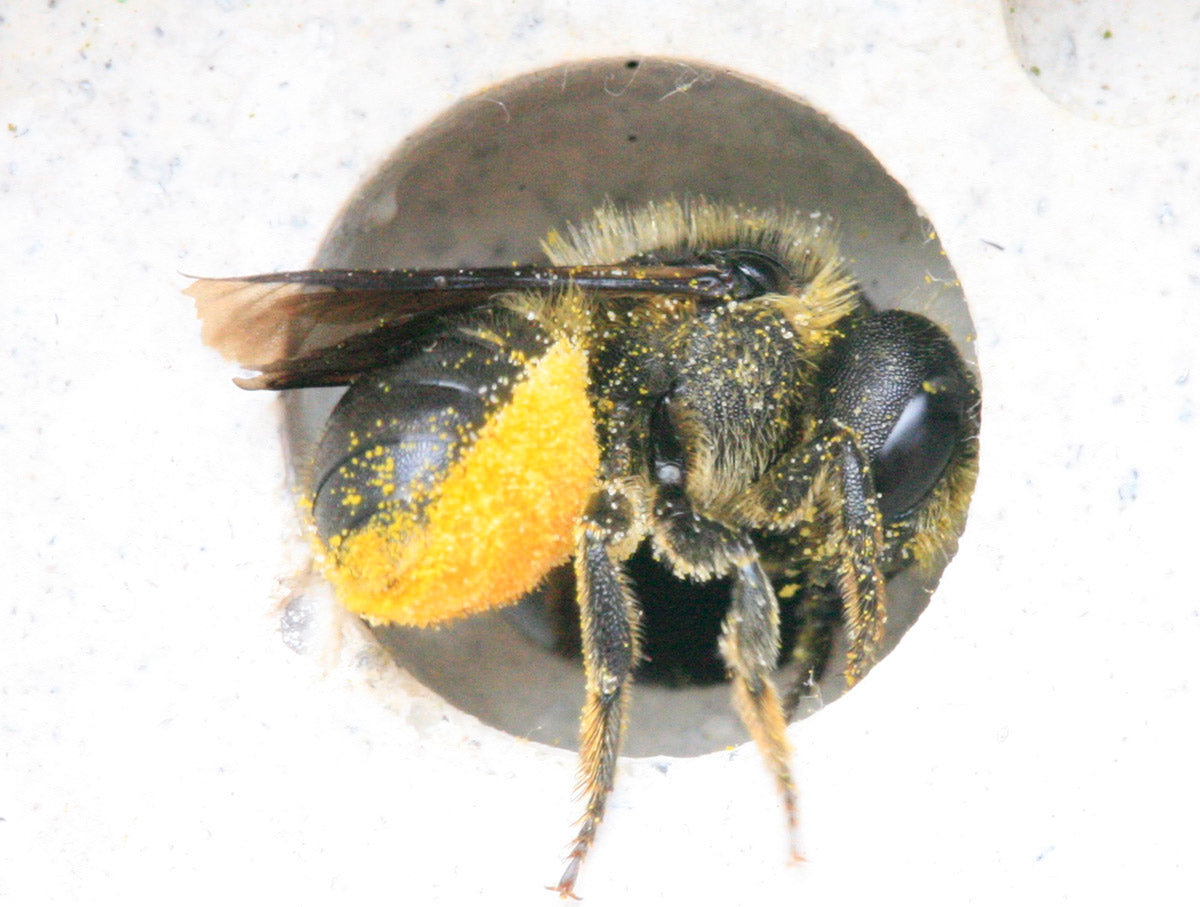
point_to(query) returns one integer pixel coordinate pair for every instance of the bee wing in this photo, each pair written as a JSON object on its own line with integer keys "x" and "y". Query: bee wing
{"x": 339, "y": 363}
{"x": 265, "y": 317}
{"x": 258, "y": 319}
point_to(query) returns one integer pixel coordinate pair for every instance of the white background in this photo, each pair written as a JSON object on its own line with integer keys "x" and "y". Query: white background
{"x": 1033, "y": 738}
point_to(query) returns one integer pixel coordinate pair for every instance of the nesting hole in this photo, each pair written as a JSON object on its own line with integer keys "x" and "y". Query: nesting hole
{"x": 482, "y": 184}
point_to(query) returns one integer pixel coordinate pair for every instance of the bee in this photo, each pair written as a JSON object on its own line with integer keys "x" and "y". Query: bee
{"x": 699, "y": 376}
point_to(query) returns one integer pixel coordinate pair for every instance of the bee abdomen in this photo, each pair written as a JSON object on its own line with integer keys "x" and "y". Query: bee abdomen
{"x": 397, "y": 430}
{"x": 450, "y": 482}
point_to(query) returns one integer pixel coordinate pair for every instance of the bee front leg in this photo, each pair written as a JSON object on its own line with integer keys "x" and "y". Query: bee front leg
{"x": 864, "y": 595}
{"x": 609, "y": 617}
{"x": 819, "y": 607}
{"x": 830, "y": 476}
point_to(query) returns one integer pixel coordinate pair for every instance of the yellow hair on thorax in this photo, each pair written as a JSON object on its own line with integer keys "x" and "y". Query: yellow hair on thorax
{"x": 805, "y": 243}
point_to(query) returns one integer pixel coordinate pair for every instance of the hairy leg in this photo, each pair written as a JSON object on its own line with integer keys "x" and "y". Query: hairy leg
{"x": 609, "y": 617}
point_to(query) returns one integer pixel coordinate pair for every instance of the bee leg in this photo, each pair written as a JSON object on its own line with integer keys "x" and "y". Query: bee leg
{"x": 750, "y": 647}
{"x": 609, "y": 618}
{"x": 700, "y": 548}
{"x": 790, "y": 490}
{"x": 859, "y": 577}
{"x": 820, "y": 612}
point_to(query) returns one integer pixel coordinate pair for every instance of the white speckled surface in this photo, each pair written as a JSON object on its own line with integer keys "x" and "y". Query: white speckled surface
{"x": 1033, "y": 738}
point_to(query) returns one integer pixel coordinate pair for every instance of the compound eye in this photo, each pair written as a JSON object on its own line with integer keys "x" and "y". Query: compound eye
{"x": 919, "y": 446}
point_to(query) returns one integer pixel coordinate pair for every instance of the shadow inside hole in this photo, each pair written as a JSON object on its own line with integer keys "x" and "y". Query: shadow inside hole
{"x": 482, "y": 185}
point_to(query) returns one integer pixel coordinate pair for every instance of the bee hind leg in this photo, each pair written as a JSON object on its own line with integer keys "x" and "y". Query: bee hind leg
{"x": 609, "y": 617}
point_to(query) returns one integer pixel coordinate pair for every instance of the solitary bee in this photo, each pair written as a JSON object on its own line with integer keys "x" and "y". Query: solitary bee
{"x": 699, "y": 376}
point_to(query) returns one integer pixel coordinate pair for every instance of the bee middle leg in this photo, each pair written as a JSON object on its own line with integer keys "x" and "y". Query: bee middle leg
{"x": 750, "y": 647}
{"x": 700, "y": 548}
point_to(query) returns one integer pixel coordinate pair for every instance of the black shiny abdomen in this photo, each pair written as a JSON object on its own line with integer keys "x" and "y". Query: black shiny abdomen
{"x": 398, "y": 429}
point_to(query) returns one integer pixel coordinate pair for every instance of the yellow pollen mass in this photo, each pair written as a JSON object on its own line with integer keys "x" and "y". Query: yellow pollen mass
{"x": 500, "y": 519}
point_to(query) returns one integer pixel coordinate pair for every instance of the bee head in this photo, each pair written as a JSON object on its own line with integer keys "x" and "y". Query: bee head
{"x": 898, "y": 381}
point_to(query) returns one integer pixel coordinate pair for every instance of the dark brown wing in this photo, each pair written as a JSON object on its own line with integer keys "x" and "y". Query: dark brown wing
{"x": 259, "y": 321}
{"x": 339, "y": 363}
